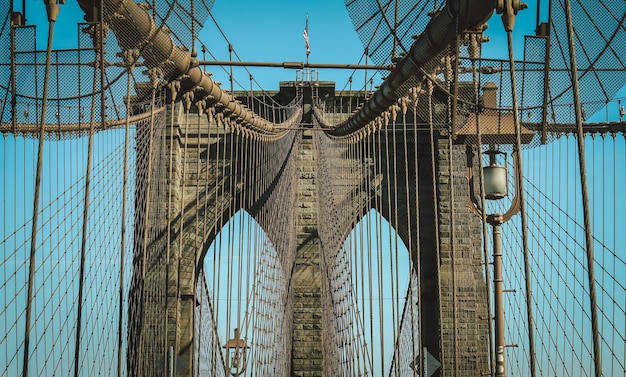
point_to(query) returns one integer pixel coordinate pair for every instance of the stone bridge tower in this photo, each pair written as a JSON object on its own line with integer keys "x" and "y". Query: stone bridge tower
{"x": 178, "y": 224}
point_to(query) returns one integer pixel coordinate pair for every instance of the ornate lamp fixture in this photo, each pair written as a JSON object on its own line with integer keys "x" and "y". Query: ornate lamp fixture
{"x": 495, "y": 183}
{"x": 496, "y": 186}
{"x": 495, "y": 177}
{"x": 237, "y": 349}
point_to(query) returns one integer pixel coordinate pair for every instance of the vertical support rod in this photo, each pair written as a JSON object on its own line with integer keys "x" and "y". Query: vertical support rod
{"x": 98, "y": 36}
{"x": 546, "y": 80}
{"x": 434, "y": 148}
{"x": 251, "y": 103}
{"x": 395, "y": 30}
{"x": 194, "y": 52}
{"x": 546, "y": 92}
{"x": 453, "y": 252}
{"x": 102, "y": 35}
{"x": 174, "y": 86}
{"x": 498, "y": 302}
{"x": 350, "y": 97}
{"x": 52, "y": 9}
{"x": 482, "y": 205}
{"x": 188, "y": 98}
{"x": 585, "y": 193}
{"x": 451, "y": 135}
{"x": 154, "y": 80}
{"x": 418, "y": 250}
{"x": 455, "y": 90}
{"x": 131, "y": 64}
{"x": 197, "y": 244}
{"x": 230, "y": 77}
{"x": 538, "y": 14}
{"x": 365, "y": 82}
{"x": 519, "y": 175}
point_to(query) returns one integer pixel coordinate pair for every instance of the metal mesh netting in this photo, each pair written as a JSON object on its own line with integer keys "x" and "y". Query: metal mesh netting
{"x": 600, "y": 37}
{"x": 71, "y": 100}
{"x": 386, "y": 27}
{"x": 5, "y": 55}
{"x": 179, "y": 16}
{"x": 544, "y": 62}
{"x": 72, "y": 104}
{"x": 485, "y": 101}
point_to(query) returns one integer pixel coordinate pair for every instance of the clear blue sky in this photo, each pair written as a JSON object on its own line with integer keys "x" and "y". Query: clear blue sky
{"x": 274, "y": 34}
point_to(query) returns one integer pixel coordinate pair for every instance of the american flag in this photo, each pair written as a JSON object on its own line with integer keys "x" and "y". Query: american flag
{"x": 305, "y": 34}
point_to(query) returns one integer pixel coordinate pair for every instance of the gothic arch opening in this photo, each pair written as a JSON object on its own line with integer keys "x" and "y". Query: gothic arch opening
{"x": 372, "y": 293}
{"x": 243, "y": 285}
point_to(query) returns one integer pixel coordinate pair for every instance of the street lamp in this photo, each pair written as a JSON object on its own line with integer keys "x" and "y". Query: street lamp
{"x": 495, "y": 177}
{"x": 237, "y": 349}
{"x": 495, "y": 184}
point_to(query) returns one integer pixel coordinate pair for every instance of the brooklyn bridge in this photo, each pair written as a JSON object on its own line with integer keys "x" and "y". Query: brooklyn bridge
{"x": 447, "y": 207}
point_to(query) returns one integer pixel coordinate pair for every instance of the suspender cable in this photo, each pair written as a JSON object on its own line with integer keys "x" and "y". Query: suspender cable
{"x": 217, "y": 257}
{"x": 379, "y": 255}
{"x": 53, "y": 10}
{"x": 416, "y": 242}
{"x": 130, "y": 59}
{"x": 242, "y": 225}
{"x": 368, "y": 231}
{"x": 433, "y": 147}
{"x": 411, "y": 245}
{"x": 452, "y": 251}
{"x": 507, "y": 19}
{"x": 489, "y": 318}
{"x": 393, "y": 236}
{"x": 356, "y": 272}
{"x": 188, "y": 98}
{"x": 451, "y": 131}
{"x": 234, "y": 152}
{"x": 198, "y": 239}
{"x": 173, "y": 87}
{"x": 98, "y": 36}
{"x": 206, "y": 227}
{"x": 585, "y": 195}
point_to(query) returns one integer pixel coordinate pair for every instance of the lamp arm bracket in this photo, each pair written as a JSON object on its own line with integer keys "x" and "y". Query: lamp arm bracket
{"x": 516, "y": 202}
{"x": 472, "y": 203}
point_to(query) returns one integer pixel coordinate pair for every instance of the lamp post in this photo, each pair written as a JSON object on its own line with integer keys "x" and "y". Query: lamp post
{"x": 495, "y": 185}
{"x": 237, "y": 350}
{"x": 495, "y": 221}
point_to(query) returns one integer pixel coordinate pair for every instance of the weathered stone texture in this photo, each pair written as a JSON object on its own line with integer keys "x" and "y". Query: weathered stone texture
{"x": 457, "y": 273}
{"x": 465, "y": 328}
{"x": 307, "y": 357}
